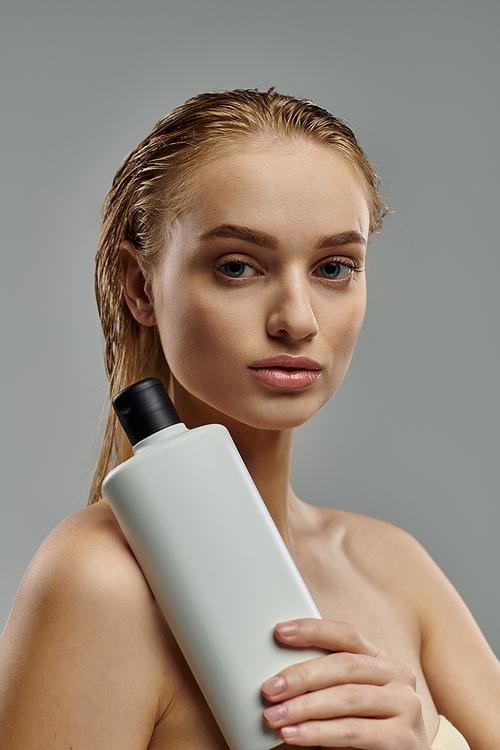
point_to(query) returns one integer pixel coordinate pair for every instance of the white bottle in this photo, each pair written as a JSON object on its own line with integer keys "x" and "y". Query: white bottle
{"x": 212, "y": 556}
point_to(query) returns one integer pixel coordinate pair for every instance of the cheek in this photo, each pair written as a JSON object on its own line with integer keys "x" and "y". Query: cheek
{"x": 344, "y": 329}
{"x": 199, "y": 336}
{"x": 354, "y": 323}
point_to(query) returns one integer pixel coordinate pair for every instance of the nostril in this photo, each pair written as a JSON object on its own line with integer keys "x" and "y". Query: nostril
{"x": 293, "y": 321}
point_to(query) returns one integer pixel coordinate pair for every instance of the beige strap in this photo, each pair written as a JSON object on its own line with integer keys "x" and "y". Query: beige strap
{"x": 448, "y": 738}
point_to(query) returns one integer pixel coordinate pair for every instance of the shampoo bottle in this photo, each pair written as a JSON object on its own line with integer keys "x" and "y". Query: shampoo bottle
{"x": 212, "y": 556}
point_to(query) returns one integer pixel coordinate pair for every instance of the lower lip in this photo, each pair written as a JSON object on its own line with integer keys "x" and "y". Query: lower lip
{"x": 277, "y": 377}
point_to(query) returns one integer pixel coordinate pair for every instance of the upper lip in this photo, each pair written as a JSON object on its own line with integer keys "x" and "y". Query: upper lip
{"x": 288, "y": 362}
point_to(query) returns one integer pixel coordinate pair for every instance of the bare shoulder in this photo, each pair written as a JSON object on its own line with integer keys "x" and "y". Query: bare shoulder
{"x": 378, "y": 549}
{"x": 84, "y": 638}
{"x": 85, "y": 558}
{"x": 386, "y": 552}
{"x": 393, "y": 560}
{"x": 396, "y": 563}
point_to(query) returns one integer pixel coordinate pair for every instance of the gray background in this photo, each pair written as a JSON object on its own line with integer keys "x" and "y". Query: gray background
{"x": 412, "y": 435}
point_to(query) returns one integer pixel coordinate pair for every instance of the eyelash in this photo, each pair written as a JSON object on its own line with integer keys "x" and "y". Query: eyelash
{"x": 231, "y": 280}
{"x": 352, "y": 267}
{"x": 237, "y": 280}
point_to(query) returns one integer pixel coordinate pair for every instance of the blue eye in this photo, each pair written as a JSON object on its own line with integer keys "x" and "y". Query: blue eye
{"x": 236, "y": 269}
{"x": 334, "y": 270}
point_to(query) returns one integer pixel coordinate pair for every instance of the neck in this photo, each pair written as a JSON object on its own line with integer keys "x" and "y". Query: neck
{"x": 267, "y": 456}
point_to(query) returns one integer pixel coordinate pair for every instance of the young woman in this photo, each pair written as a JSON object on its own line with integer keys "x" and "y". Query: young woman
{"x": 231, "y": 264}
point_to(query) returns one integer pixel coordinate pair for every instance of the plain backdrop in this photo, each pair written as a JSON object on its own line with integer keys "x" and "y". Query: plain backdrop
{"x": 412, "y": 435}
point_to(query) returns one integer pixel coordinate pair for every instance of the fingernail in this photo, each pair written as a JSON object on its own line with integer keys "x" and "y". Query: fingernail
{"x": 274, "y": 685}
{"x": 275, "y": 712}
{"x": 289, "y": 731}
{"x": 287, "y": 628}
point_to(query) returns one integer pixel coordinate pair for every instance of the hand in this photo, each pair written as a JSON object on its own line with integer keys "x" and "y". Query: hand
{"x": 355, "y": 697}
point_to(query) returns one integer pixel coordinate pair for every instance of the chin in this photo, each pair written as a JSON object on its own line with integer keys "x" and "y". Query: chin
{"x": 285, "y": 415}
{"x": 277, "y": 411}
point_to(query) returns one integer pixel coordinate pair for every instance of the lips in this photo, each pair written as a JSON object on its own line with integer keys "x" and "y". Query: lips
{"x": 286, "y": 372}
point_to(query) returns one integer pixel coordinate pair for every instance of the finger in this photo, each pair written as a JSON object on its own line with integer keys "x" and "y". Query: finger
{"x": 328, "y": 634}
{"x": 367, "y": 701}
{"x": 327, "y": 671}
{"x": 365, "y": 734}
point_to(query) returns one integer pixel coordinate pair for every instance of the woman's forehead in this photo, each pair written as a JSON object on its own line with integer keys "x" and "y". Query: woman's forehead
{"x": 281, "y": 182}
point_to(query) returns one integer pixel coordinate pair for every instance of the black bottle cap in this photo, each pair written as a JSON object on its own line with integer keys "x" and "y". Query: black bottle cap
{"x": 144, "y": 408}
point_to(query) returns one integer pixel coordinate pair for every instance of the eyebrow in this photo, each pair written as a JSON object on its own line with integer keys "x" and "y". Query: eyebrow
{"x": 342, "y": 238}
{"x": 235, "y": 232}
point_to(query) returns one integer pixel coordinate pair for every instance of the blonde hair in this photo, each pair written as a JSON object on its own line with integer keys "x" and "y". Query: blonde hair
{"x": 156, "y": 182}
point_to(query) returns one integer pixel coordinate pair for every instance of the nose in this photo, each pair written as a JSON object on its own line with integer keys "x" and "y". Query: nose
{"x": 291, "y": 313}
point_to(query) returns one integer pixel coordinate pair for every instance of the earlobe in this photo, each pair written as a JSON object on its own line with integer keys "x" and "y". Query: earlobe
{"x": 137, "y": 296}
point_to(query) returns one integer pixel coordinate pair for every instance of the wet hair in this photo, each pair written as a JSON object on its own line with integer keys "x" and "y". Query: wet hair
{"x": 157, "y": 182}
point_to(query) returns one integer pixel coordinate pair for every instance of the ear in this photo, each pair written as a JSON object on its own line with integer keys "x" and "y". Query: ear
{"x": 135, "y": 287}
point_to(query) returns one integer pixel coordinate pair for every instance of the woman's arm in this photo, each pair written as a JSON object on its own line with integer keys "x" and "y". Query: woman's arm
{"x": 462, "y": 672}
{"x": 79, "y": 662}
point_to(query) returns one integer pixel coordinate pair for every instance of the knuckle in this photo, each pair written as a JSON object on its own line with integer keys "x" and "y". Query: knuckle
{"x": 409, "y": 676}
{"x": 350, "y": 634}
{"x": 306, "y": 705}
{"x": 354, "y": 664}
{"x": 302, "y": 673}
{"x": 315, "y": 732}
{"x": 350, "y": 698}
{"x": 414, "y": 704}
{"x": 351, "y": 733}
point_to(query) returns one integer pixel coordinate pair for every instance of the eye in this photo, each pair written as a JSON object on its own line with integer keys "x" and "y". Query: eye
{"x": 236, "y": 269}
{"x": 334, "y": 270}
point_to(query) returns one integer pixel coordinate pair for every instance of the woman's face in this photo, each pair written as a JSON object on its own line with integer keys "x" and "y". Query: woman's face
{"x": 261, "y": 295}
